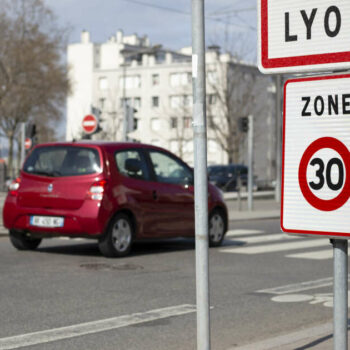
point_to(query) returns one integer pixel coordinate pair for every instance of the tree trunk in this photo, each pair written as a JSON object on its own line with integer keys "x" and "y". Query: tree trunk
{"x": 19, "y": 153}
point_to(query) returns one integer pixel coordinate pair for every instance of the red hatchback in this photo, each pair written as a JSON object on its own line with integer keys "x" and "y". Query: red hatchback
{"x": 114, "y": 192}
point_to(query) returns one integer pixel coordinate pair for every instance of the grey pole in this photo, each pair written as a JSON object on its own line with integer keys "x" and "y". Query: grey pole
{"x": 340, "y": 294}
{"x": 278, "y": 137}
{"x": 125, "y": 107}
{"x": 200, "y": 175}
{"x": 250, "y": 161}
{"x": 23, "y": 139}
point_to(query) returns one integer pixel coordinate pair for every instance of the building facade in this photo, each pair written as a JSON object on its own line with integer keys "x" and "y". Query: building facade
{"x": 156, "y": 84}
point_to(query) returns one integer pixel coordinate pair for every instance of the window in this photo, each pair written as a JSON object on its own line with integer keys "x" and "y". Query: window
{"x": 181, "y": 101}
{"x": 211, "y": 122}
{"x": 212, "y": 77}
{"x": 103, "y": 83}
{"x": 155, "y": 124}
{"x": 137, "y": 102}
{"x": 63, "y": 161}
{"x": 212, "y": 99}
{"x": 131, "y": 82}
{"x": 175, "y": 101}
{"x": 155, "y": 79}
{"x": 188, "y": 100}
{"x": 131, "y": 164}
{"x": 180, "y": 79}
{"x": 187, "y": 122}
{"x": 101, "y": 102}
{"x": 173, "y": 122}
{"x": 127, "y": 102}
{"x": 170, "y": 170}
{"x": 155, "y": 101}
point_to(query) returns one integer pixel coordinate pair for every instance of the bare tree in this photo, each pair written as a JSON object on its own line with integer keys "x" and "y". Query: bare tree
{"x": 180, "y": 117}
{"x": 235, "y": 90}
{"x": 33, "y": 77}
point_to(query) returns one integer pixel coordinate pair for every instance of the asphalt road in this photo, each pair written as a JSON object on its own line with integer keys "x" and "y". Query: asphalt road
{"x": 68, "y": 283}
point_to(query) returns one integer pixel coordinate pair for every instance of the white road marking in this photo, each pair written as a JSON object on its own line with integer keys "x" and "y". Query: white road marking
{"x": 318, "y": 255}
{"x": 242, "y": 232}
{"x": 77, "y": 330}
{"x": 264, "y": 238}
{"x": 277, "y": 247}
{"x": 299, "y": 287}
{"x": 72, "y": 239}
{"x": 292, "y": 298}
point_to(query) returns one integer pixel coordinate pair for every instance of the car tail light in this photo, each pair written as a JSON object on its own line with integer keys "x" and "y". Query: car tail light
{"x": 97, "y": 189}
{"x": 14, "y": 186}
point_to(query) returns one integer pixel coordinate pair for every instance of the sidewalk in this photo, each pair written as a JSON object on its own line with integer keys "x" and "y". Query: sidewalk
{"x": 315, "y": 338}
{"x": 264, "y": 206}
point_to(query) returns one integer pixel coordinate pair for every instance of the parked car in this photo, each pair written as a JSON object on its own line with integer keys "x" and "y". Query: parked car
{"x": 116, "y": 193}
{"x": 227, "y": 177}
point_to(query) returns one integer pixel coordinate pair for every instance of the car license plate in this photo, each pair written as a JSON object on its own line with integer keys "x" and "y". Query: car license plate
{"x": 47, "y": 221}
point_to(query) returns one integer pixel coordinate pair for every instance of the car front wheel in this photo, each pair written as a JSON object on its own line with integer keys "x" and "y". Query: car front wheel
{"x": 216, "y": 228}
{"x": 22, "y": 242}
{"x": 118, "y": 239}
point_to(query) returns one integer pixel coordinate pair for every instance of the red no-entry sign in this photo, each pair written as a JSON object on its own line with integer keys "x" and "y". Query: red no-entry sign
{"x": 316, "y": 156}
{"x": 28, "y": 143}
{"x": 90, "y": 124}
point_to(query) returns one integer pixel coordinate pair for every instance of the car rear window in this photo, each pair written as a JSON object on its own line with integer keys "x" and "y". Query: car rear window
{"x": 63, "y": 161}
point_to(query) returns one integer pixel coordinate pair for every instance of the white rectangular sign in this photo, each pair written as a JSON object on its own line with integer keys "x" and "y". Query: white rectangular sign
{"x": 303, "y": 36}
{"x": 316, "y": 156}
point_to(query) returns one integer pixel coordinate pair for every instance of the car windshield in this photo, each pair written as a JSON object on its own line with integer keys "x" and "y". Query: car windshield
{"x": 63, "y": 161}
{"x": 216, "y": 171}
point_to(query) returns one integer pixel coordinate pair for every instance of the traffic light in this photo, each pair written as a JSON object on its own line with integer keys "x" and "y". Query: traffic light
{"x": 243, "y": 124}
{"x": 30, "y": 135}
{"x": 30, "y": 130}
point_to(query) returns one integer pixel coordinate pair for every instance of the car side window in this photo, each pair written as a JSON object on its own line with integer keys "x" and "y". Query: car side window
{"x": 132, "y": 164}
{"x": 169, "y": 170}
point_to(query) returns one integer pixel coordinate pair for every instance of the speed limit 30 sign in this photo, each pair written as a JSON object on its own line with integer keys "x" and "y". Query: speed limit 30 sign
{"x": 316, "y": 156}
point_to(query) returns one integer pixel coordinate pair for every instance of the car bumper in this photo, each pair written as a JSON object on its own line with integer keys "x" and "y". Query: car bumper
{"x": 87, "y": 221}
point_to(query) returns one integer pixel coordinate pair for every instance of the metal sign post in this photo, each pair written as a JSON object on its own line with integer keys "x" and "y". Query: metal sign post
{"x": 340, "y": 292}
{"x": 200, "y": 175}
{"x": 250, "y": 161}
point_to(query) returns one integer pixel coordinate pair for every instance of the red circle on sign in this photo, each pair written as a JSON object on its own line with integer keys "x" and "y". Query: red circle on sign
{"x": 28, "y": 143}
{"x": 343, "y": 196}
{"x": 89, "y": 123}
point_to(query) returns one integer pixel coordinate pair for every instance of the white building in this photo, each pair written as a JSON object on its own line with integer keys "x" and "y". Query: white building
{"x": 157, "y": 82}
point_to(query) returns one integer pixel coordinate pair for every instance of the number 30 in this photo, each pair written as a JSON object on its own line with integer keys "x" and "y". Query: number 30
{"x": 320, "y": 170}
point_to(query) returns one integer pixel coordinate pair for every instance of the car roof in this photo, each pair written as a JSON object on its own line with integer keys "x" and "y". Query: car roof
{"x": 226, "y": 166}
{"x": 101, "y": 144}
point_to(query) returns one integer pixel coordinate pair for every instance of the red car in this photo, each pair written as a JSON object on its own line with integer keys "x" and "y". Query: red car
{"x": 115, "y": 193}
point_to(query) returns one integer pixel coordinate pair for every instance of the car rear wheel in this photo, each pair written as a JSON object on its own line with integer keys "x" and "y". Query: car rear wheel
{"x": 118, "y": 239}
{"x": 22, "y": 242}
{"x": 216, "y": 228}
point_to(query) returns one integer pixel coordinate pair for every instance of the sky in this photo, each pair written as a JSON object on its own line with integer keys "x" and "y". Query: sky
{"x": 165, "y": 22}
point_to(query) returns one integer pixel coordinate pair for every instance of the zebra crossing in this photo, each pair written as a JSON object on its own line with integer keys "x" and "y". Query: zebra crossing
{"x": 250, "y": 242}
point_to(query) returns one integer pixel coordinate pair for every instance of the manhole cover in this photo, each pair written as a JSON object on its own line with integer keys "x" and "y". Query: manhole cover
{"x": 108, "y": 267}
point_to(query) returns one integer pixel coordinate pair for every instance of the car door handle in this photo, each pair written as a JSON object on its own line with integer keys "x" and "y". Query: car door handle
{"x": 154, "y": 194}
